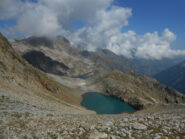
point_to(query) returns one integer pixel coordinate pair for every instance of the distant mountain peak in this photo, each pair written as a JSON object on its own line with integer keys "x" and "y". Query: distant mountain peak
{"x": 39, "y": 41}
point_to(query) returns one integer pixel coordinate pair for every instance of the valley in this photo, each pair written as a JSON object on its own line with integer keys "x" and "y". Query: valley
{"x": 92, "y": 69}
{"x": 36, "y": 100}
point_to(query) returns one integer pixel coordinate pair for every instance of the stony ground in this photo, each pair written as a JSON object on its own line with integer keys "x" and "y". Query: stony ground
{"x": 163, "y": 124}
{"x": 20, "y": 119}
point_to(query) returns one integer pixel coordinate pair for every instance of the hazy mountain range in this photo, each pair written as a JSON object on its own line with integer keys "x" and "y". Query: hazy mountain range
{"x": 151, "y": 67}
{"x": 173, "y": 77}
{"x": 76, "y": 58}
{"x": 72, "y": 61}
{"x": 59, "y": 57}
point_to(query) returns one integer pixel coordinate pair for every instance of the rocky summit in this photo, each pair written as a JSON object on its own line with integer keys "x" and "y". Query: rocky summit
{"x": 41, "y": 89}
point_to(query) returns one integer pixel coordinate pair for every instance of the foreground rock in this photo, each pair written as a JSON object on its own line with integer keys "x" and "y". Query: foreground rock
{"x": 168, "y": 123}
{"x": 139, "y": 126}
{"x": 98, "y": 135}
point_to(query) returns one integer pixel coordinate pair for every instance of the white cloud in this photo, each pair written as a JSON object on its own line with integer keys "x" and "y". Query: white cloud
{"x": 39, "y": 20}
{"x": 10, "y": 9}
{"x": 108, "y": 24}
{"x": 169, "y": 35}
{"x": 153, "y": 45}
{"x": 103, "y": 28}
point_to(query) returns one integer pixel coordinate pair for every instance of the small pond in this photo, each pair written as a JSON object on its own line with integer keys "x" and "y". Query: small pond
{"x": 103, "y": 104}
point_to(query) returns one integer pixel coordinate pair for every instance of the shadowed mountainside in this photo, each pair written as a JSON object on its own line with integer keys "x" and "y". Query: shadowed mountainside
{"x": 173, "y": 77}
{"x": 152, "y": 67}
{"x": 45, "y": 63}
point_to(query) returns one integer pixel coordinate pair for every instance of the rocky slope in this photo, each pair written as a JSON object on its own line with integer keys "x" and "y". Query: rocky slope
{"x": 20, "y": 80}
{"x": 163, "y": 124}
{"x": 108, "y": 61}
{"x": 58, "y": 49}
{"x": 138, "y": 90}
{"x": 45, "y": 63}
{"x": 173, "y": 77}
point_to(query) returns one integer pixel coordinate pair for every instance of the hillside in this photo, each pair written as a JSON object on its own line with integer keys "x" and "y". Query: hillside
{"x": 108, "y": 60}
{"x": 63, "y": 58}
{"x": 139, "y": 91}
{"x": 19, "y": 80}
{"x": 45, "y": 63}
{"x": 173, "y": 77}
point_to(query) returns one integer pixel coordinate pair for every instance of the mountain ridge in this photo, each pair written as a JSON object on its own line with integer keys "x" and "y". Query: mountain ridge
{"x": 104, "y": 65}
{"x": 22, "y": 80}
{"x": 79, "y": 64}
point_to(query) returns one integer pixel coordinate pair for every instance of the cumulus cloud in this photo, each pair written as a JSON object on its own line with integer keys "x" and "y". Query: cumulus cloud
{"x": 10, "y": 9}
{"x": 108, "y": 24}
{"x": 38, "y": 21}
{"x": 103, "y": 26}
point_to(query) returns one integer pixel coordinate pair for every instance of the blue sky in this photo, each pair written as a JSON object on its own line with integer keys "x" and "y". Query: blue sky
{"x": 81, "y": 24}
{"x": 155, "y": 15}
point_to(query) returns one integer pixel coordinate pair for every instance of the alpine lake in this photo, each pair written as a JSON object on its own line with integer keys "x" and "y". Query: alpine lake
{"x": 103, "y": 104}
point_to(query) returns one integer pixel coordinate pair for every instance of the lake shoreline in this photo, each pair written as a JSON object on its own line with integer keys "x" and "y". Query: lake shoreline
{"x": 104, "y": 104}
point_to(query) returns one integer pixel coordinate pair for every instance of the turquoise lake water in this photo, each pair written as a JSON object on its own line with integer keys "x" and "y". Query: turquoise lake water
{"x": 103, "y": 104}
